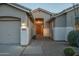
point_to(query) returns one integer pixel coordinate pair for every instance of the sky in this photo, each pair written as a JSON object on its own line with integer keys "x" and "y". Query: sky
{"x": 52, "y": 7}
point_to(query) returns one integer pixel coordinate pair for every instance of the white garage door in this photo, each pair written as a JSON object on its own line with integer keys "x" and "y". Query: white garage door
{"x": 9, "y": 31}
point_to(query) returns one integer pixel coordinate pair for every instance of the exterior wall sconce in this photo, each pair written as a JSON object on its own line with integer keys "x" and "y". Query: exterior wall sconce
{"x": 39, "y": 22}
{"x": 23, "y": 26}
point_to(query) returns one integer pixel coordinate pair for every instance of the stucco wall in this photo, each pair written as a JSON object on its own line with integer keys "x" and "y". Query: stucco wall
{"x": 6, "y": 10}
{"x": 60, "y": 28}
{"x": 70, "y": 19}
{"x": 59, "y": 33}
{"x": 60, "y": 21}
{"x": 40, "y": 14}
{"x": 64, "y": 24}
{"x": 30, "y": 29}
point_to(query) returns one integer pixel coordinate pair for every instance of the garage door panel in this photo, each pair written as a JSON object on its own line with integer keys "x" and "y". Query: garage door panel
{"x": 9, "y": 32}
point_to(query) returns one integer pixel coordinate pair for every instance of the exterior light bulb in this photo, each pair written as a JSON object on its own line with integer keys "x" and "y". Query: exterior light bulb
{"x": 23, "y": 26}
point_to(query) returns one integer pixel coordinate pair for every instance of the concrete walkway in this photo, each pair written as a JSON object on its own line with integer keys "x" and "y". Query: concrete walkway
{"x": 36, "y": 48}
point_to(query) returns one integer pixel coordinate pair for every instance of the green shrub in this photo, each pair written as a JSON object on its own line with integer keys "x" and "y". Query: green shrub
{"x": 69, "y": 52}
{"x": 72, "y": 38}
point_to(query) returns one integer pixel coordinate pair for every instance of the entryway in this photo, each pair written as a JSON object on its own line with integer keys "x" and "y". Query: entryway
{"x": 39, "y": 24}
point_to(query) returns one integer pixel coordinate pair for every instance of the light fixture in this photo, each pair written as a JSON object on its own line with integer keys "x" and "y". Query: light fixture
{"x": 39, "y": 22}
{"x": 23, "y": 25}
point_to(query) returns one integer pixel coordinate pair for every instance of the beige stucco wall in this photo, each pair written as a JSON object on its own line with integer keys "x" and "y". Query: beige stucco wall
{"x": 7, "y": 10}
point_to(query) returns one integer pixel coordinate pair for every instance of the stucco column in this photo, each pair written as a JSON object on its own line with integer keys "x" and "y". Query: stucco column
{"x": 24, "y": 35}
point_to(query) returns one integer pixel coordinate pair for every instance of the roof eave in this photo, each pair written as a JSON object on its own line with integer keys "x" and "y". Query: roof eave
{"x": 15, "y": 5}
{"x": 25, "y": 10}
{"x": 43, "y": 10}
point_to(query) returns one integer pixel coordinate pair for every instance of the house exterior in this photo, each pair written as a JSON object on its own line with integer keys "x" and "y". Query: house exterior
{"x": 18, "y": 24}
{"x": 14, "y": 24}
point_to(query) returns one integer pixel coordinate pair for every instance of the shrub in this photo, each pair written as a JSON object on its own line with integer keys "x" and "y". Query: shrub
{"x": 69, "y": 52}
{"x": 73, "y": 37}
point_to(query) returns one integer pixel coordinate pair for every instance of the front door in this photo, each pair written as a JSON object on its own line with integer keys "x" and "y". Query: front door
{"x": 39, "y": 28}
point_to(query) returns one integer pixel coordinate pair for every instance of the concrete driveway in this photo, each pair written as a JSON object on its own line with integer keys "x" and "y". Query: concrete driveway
{"x": 36, "y": 48}
{"x": 10, "y": 50}
{"x": 45, "y": 48}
